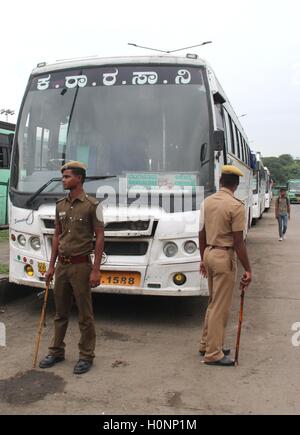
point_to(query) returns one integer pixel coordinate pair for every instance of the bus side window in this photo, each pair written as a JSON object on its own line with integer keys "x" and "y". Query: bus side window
{"x": 228, "y": 131}
{"x": 241, "y": 146}
{"x": 2, "y": 157}
{"x": 219, "y": 117}
{"x": 238, "y": 146}
{"x": 244, "y": 150}
{"x": 247, "y": 154}
{"x": 233, "y": 139}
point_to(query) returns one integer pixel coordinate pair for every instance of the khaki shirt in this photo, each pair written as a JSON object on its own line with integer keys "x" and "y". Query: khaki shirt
{"x": 79, "y": 218}
{"x": 221, "y": 215}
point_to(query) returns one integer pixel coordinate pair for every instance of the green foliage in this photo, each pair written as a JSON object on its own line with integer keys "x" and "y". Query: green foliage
{"x": 282, "y": 168}
{"x": 4, "y": 268}
{"x": 3, "y": 235}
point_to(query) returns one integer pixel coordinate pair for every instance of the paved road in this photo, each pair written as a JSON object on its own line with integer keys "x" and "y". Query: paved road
{"x": 147, "y": 359}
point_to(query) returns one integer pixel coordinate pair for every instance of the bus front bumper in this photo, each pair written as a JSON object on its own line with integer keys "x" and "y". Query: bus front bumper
{"x": 156, "y": 280}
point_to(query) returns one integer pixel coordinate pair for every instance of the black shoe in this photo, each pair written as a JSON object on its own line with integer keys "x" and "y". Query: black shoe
{"x": 225, "y": 351}
{"x": 82, "y": 366}
{"x": 225, "y": 362}
{"x": 50, "y": 361}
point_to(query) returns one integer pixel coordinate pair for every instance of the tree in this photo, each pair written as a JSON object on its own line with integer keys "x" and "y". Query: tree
{"x": 282, "y": 168}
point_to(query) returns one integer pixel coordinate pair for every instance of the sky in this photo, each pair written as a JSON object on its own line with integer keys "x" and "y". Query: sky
{"x": 255, "y": 50}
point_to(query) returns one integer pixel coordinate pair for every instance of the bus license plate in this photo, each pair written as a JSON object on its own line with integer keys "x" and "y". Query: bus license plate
{"x": 127, "y": 279}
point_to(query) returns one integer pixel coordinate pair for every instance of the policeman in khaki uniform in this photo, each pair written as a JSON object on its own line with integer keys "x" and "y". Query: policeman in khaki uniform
{"x": 78, "y": 218}
{"x": 220, "y": 238}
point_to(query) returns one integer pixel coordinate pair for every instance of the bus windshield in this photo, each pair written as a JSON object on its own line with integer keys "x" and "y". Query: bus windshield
{"x": 294, "y": 185}
{"x": 114, "y": 119}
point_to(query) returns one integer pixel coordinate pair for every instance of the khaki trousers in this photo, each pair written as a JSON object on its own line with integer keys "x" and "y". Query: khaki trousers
{"x": 73, "y": 279}
{"x": 221, "y": 268}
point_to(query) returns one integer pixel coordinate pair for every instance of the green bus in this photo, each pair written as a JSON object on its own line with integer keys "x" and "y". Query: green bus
{"x": 6, "y": 139}
{"x": 294, "y": 191}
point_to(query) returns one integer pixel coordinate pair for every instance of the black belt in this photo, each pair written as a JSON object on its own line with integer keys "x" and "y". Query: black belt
{"x": 223, "y": 248}
{"x": 76, "y": 259}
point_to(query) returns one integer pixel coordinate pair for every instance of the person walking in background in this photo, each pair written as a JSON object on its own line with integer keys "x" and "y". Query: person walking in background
{"x": 282, "y": 213}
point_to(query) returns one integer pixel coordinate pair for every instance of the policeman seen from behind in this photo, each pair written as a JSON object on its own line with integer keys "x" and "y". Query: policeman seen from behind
{"x": 78, "y": 218}
{"x": 220, "y": 239}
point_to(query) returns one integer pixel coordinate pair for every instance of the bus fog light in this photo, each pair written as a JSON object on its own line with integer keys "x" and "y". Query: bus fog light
{"x": 13, "y": 237}
{"x": 29, "y": 270}
{"x": 35, "y": 243}
{"x": 190, "y": 247}
{"x": 179, "y": 279}
{"x": 21, "y": 240}
{"x": 170, "y": 249}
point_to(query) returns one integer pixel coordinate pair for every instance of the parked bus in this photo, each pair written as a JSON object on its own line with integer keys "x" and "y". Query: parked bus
{"x": 6, "y": 138}
{"x": 146, "y": 126}
{"x": 269, "y": 185}
{"x": 294, "y": 191}
{"x": 259, "y": 189}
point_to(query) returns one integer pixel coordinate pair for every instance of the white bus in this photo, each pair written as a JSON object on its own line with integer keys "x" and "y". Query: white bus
{"x": 141, "y": 124}
{"x": 259, "y": 189}
{"x": 268, "y": 195}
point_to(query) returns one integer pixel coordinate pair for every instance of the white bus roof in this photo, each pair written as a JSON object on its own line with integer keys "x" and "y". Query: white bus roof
{"x": 103, "y": 61}
{"x": 44, "y": 68}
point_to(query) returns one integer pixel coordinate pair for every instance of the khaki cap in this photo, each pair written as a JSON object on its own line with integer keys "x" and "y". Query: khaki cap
{"x": 73, "y": 164}
{"x": 230, "y": 169}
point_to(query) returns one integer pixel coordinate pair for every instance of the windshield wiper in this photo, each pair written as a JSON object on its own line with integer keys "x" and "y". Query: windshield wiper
{"x": 52, "y": 180}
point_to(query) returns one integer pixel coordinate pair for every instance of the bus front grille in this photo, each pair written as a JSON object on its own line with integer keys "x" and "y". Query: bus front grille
{"x": 126, "y": 248}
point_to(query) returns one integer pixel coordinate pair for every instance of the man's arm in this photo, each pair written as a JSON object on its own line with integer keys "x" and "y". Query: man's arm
{"x": 99, "y": 246}
{"x": 241, "y": 250}
{"x": 276, "y": 208}
{"x": 54, "y": 253}
{"x": 288, "y": 207}
{"x": 202, "y": 246}
{"x": 202, "y": 242}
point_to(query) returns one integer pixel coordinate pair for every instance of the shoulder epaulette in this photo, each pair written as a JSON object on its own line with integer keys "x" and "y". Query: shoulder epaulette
{"x": 93, "y": 200}
{"x": 238, "y": 200}
{"x": 61, "y": 199}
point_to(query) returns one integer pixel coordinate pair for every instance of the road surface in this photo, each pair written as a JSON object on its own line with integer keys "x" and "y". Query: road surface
{"x": 147, "y": 348}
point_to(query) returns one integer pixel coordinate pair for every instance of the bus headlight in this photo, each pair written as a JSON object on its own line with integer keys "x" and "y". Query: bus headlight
{"x": 170, "y": 249}
{"x": 21, "y": 240}
{"x": 35, "y": 243}
{"x": 190, "y": 247}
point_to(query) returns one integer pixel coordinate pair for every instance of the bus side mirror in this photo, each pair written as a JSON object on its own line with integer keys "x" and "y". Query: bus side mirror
{"x": 218, "y": 140}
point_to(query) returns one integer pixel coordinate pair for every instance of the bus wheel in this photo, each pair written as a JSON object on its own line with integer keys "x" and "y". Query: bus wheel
{"x": 254, "y": 222}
